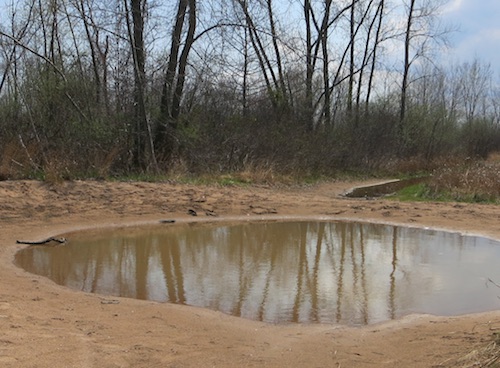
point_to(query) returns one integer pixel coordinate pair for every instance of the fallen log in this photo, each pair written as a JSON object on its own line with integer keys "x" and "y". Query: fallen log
{"x": 42, "y": 242}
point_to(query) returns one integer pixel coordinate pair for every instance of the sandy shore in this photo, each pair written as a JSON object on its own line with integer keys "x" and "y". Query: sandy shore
{"x": 46, "y": 325}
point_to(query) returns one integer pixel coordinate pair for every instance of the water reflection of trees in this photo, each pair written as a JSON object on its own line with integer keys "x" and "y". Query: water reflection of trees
{"x": 297, "y": 271}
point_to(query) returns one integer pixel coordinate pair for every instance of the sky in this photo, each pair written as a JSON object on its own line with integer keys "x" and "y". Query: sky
{"x": 478, "y": 34}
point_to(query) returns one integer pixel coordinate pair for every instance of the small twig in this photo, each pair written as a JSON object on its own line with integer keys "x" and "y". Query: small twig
{"x": 494, "y": 283}
{"x": 16, "y": 162}
{"x": 489, "y": 323}
{"x": 35, "y": 166}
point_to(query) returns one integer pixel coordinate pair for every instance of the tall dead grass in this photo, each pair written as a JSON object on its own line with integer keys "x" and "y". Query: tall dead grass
{"x": 17, "y": 159}
{"x": 468, "y": 180}
{"x": 487, "y": 355}
{"x": 20, "y": 160}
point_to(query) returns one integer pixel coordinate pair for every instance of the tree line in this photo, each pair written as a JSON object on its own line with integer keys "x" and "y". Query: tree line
{"x": 94, "y": 87}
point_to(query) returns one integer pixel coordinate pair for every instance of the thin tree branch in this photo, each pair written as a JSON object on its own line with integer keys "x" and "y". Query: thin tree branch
{"x": 51, "y": 63}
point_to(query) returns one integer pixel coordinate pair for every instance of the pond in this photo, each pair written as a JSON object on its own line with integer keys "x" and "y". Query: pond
{"x": 280, "y": 272}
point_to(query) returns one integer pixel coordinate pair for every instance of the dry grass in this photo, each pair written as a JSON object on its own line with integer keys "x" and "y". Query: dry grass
{"x": 259, "y": 174}
{"x": 486, "y": 352}
{"x": 484, "y": 356}
{"x": 251, "y": 173}
{"x": 105, "y": 162}
{"x": 494, "y": 157}
{"x": 6, "y": 159}
{"x": 17, "y": 159}
{"x": 405, "y": 166}
{"x": 476, "y": 181}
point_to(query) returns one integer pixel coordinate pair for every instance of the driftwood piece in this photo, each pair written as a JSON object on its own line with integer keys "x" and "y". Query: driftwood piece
{"x": 42, "y": 242}
{"x": 167, "y": 221}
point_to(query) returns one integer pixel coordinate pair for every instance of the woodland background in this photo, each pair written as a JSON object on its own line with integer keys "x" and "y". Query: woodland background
{"x": 97, "y": 88}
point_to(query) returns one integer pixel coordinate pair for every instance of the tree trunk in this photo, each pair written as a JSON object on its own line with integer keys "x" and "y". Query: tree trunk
{"x": 308, "y": 104}
{"x": 244, "y": 96}
{"x": 406, "y": 68}
{"x": 262, "y": 56}
{"x": 350, "y": 93}
{"x": 181, "y": 74}
{"x": 376, "y": 43}
{"x": 92, "y": 47}
{"x": 366, "y": 56}
{"x": 282, "y": 86}
{"x": 326, "y": 73}
{"x": 141, "y": 130}
{"x": 175, "y": 76}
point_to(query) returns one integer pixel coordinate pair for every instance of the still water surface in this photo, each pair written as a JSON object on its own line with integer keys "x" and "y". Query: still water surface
{"x": 313, "y": 272}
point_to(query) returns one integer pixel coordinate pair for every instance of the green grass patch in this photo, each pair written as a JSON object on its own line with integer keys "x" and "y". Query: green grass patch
{"x": 143, "y": 177}
{"x": 415, "y": 192}
{"x": 423, "y": 192}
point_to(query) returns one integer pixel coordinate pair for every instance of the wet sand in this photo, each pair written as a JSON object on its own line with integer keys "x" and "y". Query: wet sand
{"x": 46, "y": 325}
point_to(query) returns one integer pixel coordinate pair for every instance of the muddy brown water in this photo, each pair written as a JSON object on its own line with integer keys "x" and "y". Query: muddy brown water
{"x": 293, "y": 271}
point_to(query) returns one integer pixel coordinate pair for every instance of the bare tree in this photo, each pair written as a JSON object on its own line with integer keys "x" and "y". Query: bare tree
{"x": 326, "y": 61}
{"x": 142, "y": 131}
{"x": 370, "y": 47}
{"x": 379, "y": 16}
{"x": 92, "y": 32}
{"x": 309, "y": 111}
{"x": 279, "y": 64}
{"x": 11, "y": 55}
{"x": 274, "y": 79}
{"x": 419, "y": 34}
{"x": 175, "y": 76}
{"x": 352, "y": 34}
{"x": 474, "y": 83}
{"x": 407, "y": 60}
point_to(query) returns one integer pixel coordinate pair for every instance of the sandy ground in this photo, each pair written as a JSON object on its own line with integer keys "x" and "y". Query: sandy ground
{"x": 46, "y": 325}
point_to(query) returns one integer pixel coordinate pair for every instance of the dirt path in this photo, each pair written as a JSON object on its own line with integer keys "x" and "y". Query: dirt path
{"x": 45, "y": 325}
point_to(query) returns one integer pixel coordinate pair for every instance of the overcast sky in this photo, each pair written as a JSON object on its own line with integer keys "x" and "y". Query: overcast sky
{"x": 478, "y": 32}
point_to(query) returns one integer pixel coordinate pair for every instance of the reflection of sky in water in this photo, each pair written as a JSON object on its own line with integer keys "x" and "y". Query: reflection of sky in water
{"x": 281, "y": 272}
